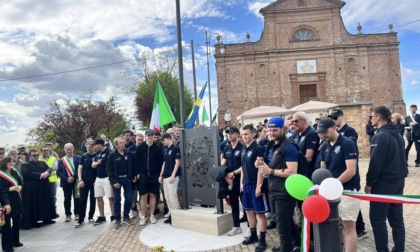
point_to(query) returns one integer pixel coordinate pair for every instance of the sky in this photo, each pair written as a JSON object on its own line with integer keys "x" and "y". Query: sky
{"x": 59, "y": 36}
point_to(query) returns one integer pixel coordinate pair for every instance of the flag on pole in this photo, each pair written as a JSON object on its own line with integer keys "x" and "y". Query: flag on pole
{"x": 205, "y": 116}
{"x": 189, "y": 123}
{"x": 161, "y": 113}
{"x": 215, "y": 116}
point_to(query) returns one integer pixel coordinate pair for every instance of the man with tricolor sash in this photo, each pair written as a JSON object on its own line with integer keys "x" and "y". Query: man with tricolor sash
{"x": 52, "y": 162}
{"x": 67, "y": 171}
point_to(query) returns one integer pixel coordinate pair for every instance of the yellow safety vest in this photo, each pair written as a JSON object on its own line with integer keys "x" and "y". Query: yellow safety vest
{"x": 51, "y": 160}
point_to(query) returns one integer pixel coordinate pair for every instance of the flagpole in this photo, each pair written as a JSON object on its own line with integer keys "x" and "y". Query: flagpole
{"x": 180, "y": 64}
{"x": 194, "y": 77}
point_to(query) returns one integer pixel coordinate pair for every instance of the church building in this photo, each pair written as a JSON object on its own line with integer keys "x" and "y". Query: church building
{"x": 305, "y": 53}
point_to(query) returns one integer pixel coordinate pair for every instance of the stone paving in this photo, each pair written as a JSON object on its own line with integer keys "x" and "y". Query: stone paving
{"x": 127, "y": 237}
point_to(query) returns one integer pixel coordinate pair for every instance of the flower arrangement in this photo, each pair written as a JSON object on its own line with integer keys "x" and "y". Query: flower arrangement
{"x": 161, "y": 249}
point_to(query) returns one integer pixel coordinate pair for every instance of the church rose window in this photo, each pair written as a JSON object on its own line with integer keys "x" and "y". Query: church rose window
{"x": 303, "y": 35}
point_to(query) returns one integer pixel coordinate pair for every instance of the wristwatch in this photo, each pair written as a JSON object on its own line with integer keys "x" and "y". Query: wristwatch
{"x": 272, "y": 172}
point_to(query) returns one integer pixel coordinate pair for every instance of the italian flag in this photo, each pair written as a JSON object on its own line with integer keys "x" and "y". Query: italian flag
{"x": 162, "y": 113}
{"x": 205, "y": 116}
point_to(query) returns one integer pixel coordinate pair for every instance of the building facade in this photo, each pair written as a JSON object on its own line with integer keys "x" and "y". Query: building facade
{"x": 305, "y": 52}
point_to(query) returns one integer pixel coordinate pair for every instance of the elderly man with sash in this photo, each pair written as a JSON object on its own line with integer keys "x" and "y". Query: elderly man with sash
{"x": 68, "y": 181}
{"x": 52, "y": 163}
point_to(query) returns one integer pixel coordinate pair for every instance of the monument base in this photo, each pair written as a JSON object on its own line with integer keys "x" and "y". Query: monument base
{"x": 202, "y": 220}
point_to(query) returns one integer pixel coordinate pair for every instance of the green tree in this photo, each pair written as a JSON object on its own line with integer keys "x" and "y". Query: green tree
{"x": 71, "y": 121}
{"x": 170, "y": 86}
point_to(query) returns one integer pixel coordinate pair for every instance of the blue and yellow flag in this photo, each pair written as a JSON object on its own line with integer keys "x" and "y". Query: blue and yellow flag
{"x": 189, "y": 123}
{"x": 215, "y": 116}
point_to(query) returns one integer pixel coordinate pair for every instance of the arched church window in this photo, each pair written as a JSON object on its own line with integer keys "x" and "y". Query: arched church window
{"x": 303, "y": 35}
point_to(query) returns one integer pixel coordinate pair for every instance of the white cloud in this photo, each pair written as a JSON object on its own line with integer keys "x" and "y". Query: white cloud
{"x": 379, "y": 14}
{"x": 410, "y": 76}
{"x": 107, "y": 20}
{"x": 255, "y": 7}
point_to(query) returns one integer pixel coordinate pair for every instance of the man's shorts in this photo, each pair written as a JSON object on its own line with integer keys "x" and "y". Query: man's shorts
{"x": 250, "y": 202}
{"x": 103, "y": 188}
{"x": 148, "y": 184}
{"x": 349, "y": 208}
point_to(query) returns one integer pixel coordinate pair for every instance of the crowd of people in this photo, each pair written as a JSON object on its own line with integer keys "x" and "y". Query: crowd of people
{"x": 258, "y": 162}
{"x": 274, "y": 148}
{"x": 145, "y": 166}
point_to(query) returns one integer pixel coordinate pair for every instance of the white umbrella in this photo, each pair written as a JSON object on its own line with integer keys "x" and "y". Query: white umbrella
{"x": 263, "y": 111}
{"x": 313, "y": 106}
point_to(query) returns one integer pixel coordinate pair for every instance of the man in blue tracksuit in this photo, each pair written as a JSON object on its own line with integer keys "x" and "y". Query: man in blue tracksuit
{"x": 386, "y": 175}
{"x": 121, "y": 174}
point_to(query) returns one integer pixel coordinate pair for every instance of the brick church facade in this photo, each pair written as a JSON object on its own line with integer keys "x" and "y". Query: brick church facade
{"x": 305, "y": 52}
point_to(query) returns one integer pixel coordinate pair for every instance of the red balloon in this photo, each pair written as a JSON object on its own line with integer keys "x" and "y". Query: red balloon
{"x": 316, "y": 209}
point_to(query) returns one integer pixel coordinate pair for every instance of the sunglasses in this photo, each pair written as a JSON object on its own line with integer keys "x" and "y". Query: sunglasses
{"x": 35, "y": 155}
{"x": 295, "y": 121}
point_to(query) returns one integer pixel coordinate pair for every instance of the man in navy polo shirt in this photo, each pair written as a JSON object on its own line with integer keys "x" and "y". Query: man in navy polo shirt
{"x": 121, "y": 172}
{"x": 306, "y": 138}
{"x": 87, "y": 177}
{"x": 344, "y": 129}
{"x": 253, "y": 200}
{"x": 169, "y": 175}
{"x": 340, "y": 156}
{"x": 102, "y": 187}
{"x": 232, "y": 158}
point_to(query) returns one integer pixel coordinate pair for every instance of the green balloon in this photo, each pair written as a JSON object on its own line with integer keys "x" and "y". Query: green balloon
{"x": 298, "y": 186}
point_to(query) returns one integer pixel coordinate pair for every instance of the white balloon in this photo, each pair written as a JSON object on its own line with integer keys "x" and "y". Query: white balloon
{"x": 331, "y": 189}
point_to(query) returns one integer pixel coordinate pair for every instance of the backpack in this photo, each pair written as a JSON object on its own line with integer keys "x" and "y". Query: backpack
{"x": 303, "y": 168}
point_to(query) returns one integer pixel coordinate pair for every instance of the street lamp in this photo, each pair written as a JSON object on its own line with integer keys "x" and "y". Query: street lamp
{"x": 222, "y": 51}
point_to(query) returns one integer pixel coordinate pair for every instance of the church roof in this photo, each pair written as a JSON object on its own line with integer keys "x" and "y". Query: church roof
{"x": 272, "y": 6}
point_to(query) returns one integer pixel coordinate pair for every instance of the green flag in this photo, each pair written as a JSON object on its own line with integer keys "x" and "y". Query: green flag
{"x": 162, "y": 113}
{"x": 205, "y": 116}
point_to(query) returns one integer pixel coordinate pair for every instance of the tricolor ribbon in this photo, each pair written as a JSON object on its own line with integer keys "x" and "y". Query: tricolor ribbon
{"x": 393, "y": 199}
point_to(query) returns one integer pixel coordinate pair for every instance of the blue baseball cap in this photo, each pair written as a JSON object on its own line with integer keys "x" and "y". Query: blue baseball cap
{"x": 275, "y": 122}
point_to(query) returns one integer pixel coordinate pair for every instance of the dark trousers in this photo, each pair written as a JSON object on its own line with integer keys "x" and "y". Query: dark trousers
{"x": 127, "y": 185}
{"x": 407, "y": 149}
{"x": 287, "y": 229}
{"x": 87, "y": 190}
{"x": 69, "y": 192}
{"x": 234, "y": 196}
{"x": 360, "y": 224}
{"x": 417, "y": 145}
{"x": 10, "y": 234}
{"x": 379, "y": 212}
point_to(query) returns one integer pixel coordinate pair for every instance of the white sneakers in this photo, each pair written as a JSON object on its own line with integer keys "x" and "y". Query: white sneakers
{"x": 235, "y": 231}
{"x": 152, "y": 219}
{"x": 143, "y": 221}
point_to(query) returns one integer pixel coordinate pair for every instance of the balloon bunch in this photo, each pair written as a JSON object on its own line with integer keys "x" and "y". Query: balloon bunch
{"x": 315, "y": 194}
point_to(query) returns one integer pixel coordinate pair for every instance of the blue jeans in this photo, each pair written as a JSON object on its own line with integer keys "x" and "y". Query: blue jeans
{"x": 127, "y": 185}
